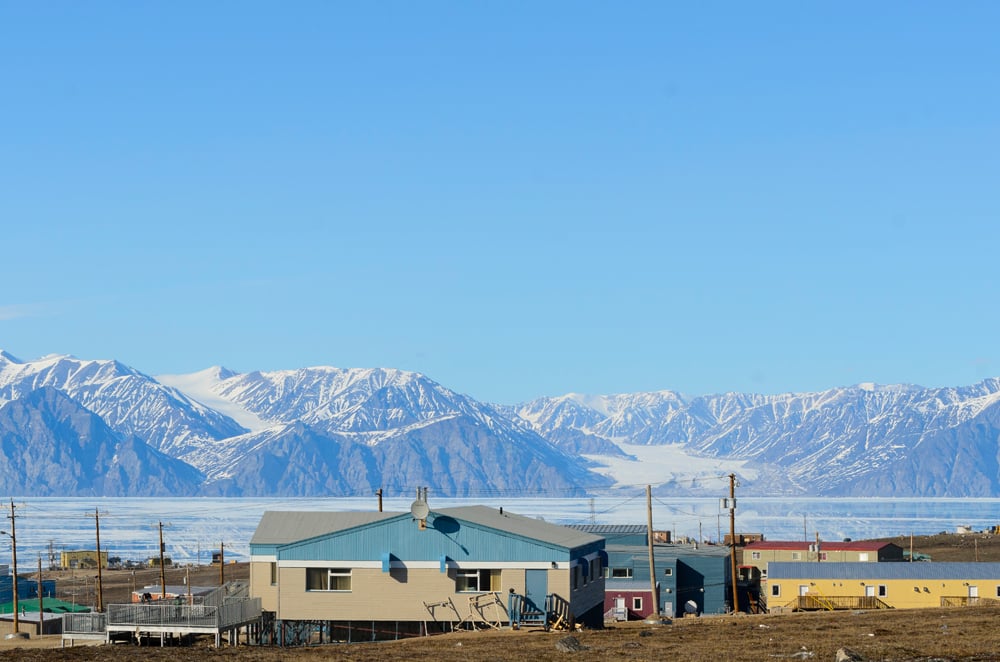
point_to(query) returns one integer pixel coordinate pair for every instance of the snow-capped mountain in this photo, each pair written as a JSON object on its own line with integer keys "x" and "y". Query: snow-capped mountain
{"x": 314, "y": 431}
{"x": 128, "y": 401}
{"x": 860, "y": 440}
{"x": 331, "y": 431}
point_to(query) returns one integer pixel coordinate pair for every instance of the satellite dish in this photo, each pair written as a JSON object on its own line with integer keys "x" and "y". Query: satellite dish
{"x": 691, "y": 607}
{"x": 419, "y": 509}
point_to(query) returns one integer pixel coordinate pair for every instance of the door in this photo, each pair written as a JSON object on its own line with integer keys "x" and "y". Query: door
{"x": 621, "y": 614}
{"x": 536, "y": 586}
{"x": 803, "y": 589}
{"x": 973, "y": 595}
{"x": 869, "y": 591}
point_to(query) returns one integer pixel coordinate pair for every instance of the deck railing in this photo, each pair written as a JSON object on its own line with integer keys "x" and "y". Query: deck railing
{"x": 836, "y": 602}
{"x": 87, "y": 623}
{"x": 231, "y": 613}
{"x": 968, "y": 601}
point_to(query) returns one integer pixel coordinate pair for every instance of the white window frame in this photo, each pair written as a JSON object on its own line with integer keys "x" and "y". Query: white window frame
{"x": 755, "y": 556}
{"x": 333, "y": 577}
{"x": 636, "y": 603}
{"x": 621, "y": 573}
{"x": 883, "y": 590}
{"x": 476, "y": 580}
{"x": 775, "y": 590}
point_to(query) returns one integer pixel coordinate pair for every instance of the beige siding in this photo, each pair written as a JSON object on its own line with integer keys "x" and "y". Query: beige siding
{"x": 401, "y": 594}
{"x": 398, "y": 595}
{"x": 261, "y": 587}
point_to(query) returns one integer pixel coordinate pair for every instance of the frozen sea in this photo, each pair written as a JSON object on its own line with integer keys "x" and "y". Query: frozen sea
{"x": 193, "y": 527}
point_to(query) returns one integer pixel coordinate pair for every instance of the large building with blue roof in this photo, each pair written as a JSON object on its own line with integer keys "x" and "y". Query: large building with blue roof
{"x": 405, "y": 575}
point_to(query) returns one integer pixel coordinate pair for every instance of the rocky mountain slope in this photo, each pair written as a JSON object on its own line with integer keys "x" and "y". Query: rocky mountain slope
{"x": 315, "y": 431}
{"x": 329, "y": 431}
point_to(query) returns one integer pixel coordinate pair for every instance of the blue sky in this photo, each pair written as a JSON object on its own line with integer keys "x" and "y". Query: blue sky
{"x": 515, "y": 198}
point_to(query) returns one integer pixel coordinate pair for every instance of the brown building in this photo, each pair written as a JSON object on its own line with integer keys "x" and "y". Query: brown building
{"x": 759, "y": 554}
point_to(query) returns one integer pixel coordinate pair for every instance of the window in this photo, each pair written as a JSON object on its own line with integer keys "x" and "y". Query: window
{"x": 882, "y": 591}
{"x": 796, "y": 556}
{"x": 998, "y": 591}
{"x": 636, "y": 604}
{"x": 668, "y": 572}
{"x": 274, "y": 573}
{"x": 822, "y": 556}
{"x": 862, "y": 556}
{"x": 477, "y": 581}
{"x": 607, "y": 572}
{"x": 755, "y": 556}
{"x": 328, "y": 579}
{"x": 621, "y": 573}
{"x": 775, "y": 590}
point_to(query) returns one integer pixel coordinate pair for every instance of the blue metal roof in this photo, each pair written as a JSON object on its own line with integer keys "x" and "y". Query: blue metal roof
{"x": 876, "y": 571}
{"x": 471, "y": 532}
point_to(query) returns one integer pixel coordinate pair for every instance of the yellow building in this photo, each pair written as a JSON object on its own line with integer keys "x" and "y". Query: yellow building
{"x": 852, "y": 585}
{"x": 82, "y": 558}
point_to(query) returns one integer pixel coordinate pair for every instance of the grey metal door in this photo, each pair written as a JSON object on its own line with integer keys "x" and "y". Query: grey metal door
{"x": 536, "y": 586}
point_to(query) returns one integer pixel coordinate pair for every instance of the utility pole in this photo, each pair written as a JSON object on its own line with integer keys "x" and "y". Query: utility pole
{"x": 732, "y": 539}
{"x": 100, "y": 578}
{"x": 652, "y": 566}
{"x": 222, "y": 563}
{"x": 163, "y": 577}
{"x": 378, "y": 493}
{"x": 41, "y": 593}
{"x": 13, "y": 553}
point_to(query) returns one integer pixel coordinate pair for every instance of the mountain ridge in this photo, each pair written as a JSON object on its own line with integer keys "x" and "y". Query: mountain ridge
{"x": 323, "y": 430}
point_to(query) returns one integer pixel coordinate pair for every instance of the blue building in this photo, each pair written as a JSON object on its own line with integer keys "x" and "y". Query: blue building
{"x": 27, "y": 589}
{"x": 376, "y": 575}
{"x": 689, "y": 578}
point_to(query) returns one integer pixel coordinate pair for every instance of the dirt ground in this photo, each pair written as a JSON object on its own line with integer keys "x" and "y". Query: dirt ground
{"x": 80, "y": 586}
{"x": 952, "y": 634}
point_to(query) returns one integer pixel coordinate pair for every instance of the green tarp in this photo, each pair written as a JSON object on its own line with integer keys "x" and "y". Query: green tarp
{"x": 50, "y": 605}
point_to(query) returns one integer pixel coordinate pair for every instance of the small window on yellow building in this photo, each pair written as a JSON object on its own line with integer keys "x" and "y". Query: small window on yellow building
{"x": 775, "y": 590}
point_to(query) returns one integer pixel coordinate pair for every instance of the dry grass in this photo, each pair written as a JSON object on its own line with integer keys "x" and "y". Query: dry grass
{"x": 938, "y": 634}
{"x": 952, "y": 634}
